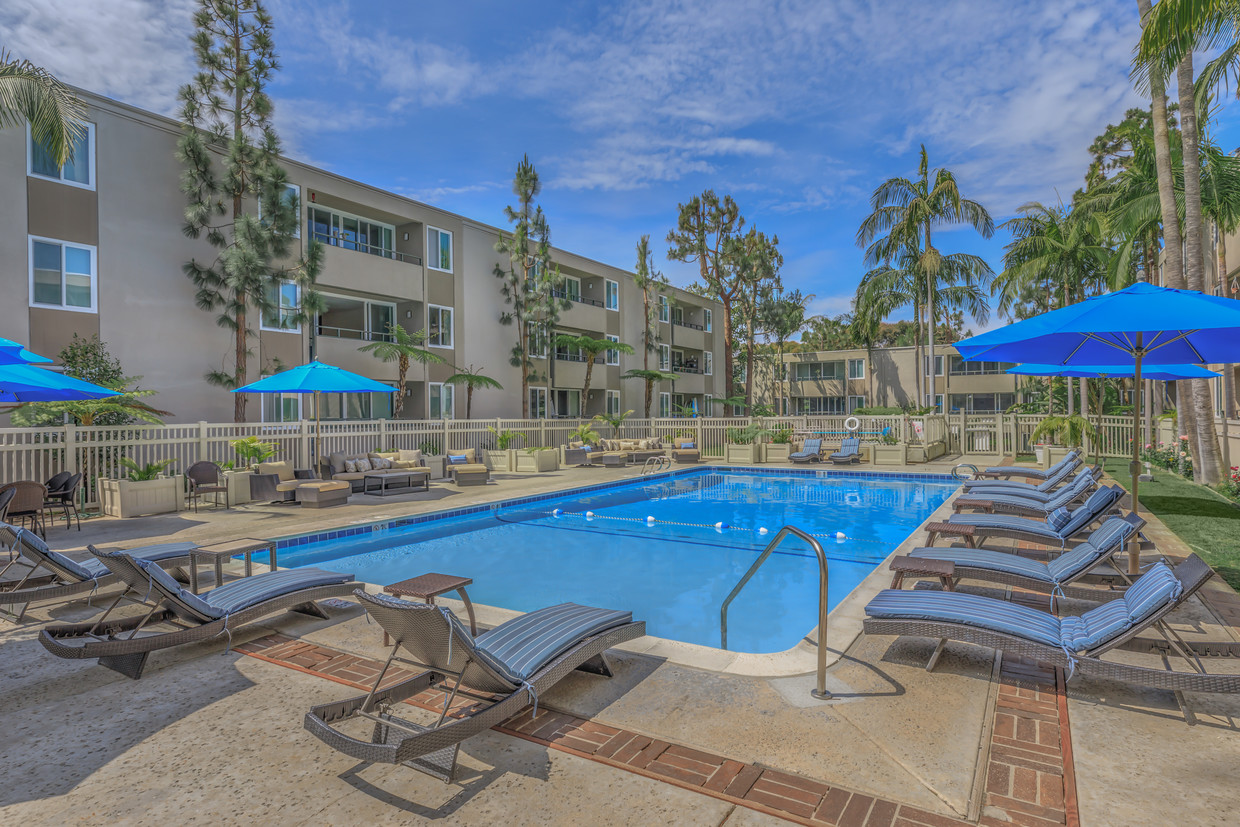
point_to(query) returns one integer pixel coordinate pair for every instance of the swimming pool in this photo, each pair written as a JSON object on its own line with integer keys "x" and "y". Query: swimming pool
{"x": 599, "y": 546}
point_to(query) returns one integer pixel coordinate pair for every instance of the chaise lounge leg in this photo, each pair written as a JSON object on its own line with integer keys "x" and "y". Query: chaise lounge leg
{"x": 15, "y": 614}
{"x": 597, "y": 665}
{"x": 130, "y": 666}
{"x": 938, "y": 651}
{"x": 310, "y": 608}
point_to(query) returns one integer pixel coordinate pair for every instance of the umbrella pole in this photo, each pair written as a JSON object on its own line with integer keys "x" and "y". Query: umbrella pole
{"x": 1102, "y": 393}
{"x": 318, "y": 446}
{"x": 1134, "y": 468}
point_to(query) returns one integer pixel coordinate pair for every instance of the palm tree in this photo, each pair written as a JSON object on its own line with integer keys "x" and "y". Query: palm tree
{"x": 402, "y": 347}
{"x": 30, "y": 94}
{"x": 472, "y": 378}
{"x": 650, "y": 377}
{"x": 616, "y": 421}
{"x": 907, "y": 210}
{"x": 590, "y": 348}
{"x": 1053, "y": 247}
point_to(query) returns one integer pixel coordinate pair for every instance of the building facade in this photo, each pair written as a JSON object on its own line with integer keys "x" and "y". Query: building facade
{"x": 840, "y": 381}
{"x": 97, "y": 248}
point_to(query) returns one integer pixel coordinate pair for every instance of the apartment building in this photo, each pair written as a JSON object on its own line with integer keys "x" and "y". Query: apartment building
{"x": 840, "y": 381}
{"x": 96, "y": 247}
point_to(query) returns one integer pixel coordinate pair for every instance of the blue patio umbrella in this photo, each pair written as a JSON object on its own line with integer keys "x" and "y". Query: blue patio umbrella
{"x": 1141, "y": 324}
{"x": 316, "y": 378}
{"x": 21, "y": 383}
{"x": 12, "y": 353}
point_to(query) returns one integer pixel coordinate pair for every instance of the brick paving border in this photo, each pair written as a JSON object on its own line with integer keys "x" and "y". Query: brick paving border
{"x": 1028, "y": 779}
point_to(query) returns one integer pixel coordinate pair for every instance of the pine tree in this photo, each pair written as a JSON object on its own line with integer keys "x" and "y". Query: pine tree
{"x": 231, "y": 155}
{"x": 530, "y": 282}
{"x": 652, "y": 284}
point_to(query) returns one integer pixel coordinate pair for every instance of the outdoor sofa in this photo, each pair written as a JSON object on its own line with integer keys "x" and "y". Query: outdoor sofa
{"x": 345, "y": 467}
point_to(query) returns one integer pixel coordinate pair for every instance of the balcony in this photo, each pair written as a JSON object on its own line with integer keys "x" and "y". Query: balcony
{"x": 346, "y": 241}
{"x": 688, "y": 335}
{"x": 570, "y": 372}
{"x": 583, "y": 313}
{"x": 397, "y": 279}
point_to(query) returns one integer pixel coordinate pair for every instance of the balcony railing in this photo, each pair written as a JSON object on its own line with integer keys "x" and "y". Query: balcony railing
{"x": 685, "y": 369}
{"x": 329, "y": 332}
{"x": 691, "y": 325}
{"x": 562, "y": 294}
{"x": 569, "y": 357}
{"x": 363, "y": 247}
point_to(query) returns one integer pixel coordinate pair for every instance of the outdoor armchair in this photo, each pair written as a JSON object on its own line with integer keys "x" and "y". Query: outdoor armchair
{"x": 26, "y": 505}
{"x": 205, "y": 477}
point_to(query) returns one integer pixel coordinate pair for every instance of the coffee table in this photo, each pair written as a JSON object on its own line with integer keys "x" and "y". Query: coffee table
{"x": 386, "y": 478}
{"x": 219, "y": 552}
{"x": 429, "y": 586}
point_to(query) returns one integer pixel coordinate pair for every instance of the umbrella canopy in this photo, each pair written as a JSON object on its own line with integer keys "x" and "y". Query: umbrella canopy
{"x": 1163, "y": 373}
{"x": 25, "y": 383}
{"x": 12, "y": 353}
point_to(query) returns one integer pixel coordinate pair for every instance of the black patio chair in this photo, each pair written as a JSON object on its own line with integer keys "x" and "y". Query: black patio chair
{"x": 65, "y": 498}
{"x": 205, "y": 477}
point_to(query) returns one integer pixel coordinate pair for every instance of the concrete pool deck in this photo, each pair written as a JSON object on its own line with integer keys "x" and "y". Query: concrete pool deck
{"x": 208, "y": 737}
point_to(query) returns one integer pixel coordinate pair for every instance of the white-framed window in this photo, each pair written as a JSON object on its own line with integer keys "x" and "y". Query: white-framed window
{"x": 708, "y": 363}
{"x": 706, "y": 314}
{"x": 665, "y": 405}
{"x": 78, "y": 171}
{"x": 612, "y": 291}
{"x": 439, "y": 249}
{"x": 62, "y": 274}
{"x": 537, "y": 342}
{"x": 291, "y": 196}
{"x": 441, "y": 399}
{"x": 279, "y": 407}
{"x": 568, "y": 403}
{"x": 613, "y": 403}
{"x": 708, "y": 405}
{"x": 665, "y": 357}
{"x": 439, "y": 326}
{"x": 348, "y": 317}
{"x": 938, "y": 402}
{"x": 285, "y": 300}
{"x": 342, "y": 407}
{"x": 664, "y": 309}
{"x": 572, "y": 288}
{"x": 938, "y": 365}
{"x": 855, "y": 402}
{"x": 856, "y": 368}
{"x": 538, "y": 403}
{"x": 613, "y": 356}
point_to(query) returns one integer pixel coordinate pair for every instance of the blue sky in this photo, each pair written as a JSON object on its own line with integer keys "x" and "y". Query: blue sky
{"x": 798, "y": 108}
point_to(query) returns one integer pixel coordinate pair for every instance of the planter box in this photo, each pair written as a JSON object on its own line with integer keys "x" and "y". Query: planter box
{"x": 776, "y": 452}
{"x": 742, "y": 454}
{"x": 536, "y": 463}
{"x": 889, "y": 454}
{"x": 125, "y": 498}
{"x": 238, "y": 483}
{"x": 1053, "y": 454}
{"x": 1039, "y": 452}
{"x": 926, "y": 453}
{"x": 498, "y": 460}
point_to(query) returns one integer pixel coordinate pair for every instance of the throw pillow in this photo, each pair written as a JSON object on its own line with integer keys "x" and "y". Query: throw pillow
{"x": 587, "y": 448}
{"x": 363, "y": 465}
{"x": 686, "y": 445}
{"x": 380, "y": 464}
{"x": 576, "y": 443}
{"x": 350, "y": 466}
{"x": 1058, "y": 518}
{"x": 457, "y": 459}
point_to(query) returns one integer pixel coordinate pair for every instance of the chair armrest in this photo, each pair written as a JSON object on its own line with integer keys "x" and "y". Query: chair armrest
{"x": 304, "y": 474}
{"x": 263, "y": 486}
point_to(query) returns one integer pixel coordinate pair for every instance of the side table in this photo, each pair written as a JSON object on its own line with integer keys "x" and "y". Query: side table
{"x": 945, "y": 570}
{"x": 429, "y": 586}
{"x": 219, "y": 552}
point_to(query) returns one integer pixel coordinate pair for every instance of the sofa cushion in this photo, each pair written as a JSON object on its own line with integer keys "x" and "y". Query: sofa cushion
{"x": 458, "y": 459}
{"x": 414, "y": 456}
{"x": 380, "y": 464}
{"x": 363, "y": 465}
{"x": 348, "y": 477}
{"x": 284, "y": 470}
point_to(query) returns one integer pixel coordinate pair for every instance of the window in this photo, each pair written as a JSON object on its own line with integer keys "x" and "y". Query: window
{"x": 708, "y": 405}
{"x": 439, "y": 326}
{"x": 279, "y": 407}
{"x": 938, "y": 365}
{"x": 856, "y": 368}
{"x": 981, "y": 402}
{"x": 572, "y": 288}
{"x": 442, "y": 400}
{"x": 538, "y": 403}
{"x": 678, "y": 316}
{"x": 78, "y": 171}
{"x": 62, "y": 275}
{"x": 708, "y": 362}
{"x": 938, "y": 401}
{"x": 706, "y": 320}
{"x": 664, "y": 309}
{"x": 292, "y": 197}
{"x": 345, "y": 406}
{"x": 344, "y": 317}
{"x": 537, "y": 336}
{"x": 815, "y": 405}
{"x": 439, "y": 249}
{"x": 569, "y": 353}
{"x": 613, "y": 356}
{"x": 665, "y": 357}
{"x": 613, "y": 403}
{"x": 341, "y": 229}
{"x": 285, "y": 305}
{"x": 568, "y": 403}
{"x": 665, "y": 405}
{"x": 818, "y": 370}
{"x": 613, "y": 294}
{"x": 855, "y": 402}
{"x": 959, "y": 367}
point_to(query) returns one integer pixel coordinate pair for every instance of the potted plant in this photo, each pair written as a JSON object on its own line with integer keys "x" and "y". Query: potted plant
{"x": 250, "y": 452}
{"x": 144, "y": 490}
{"x": 888, "y": 450}
{"x": 1060, "y": 434}
{"x": 780, "y": 446}
{"x": 744, "y": 444}
{"x": 500, "y": 458}
{"x": 536, "y": 460}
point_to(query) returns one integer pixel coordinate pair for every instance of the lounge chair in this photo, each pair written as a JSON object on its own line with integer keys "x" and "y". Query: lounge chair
{"x": 1042, "y": 492}
{"x": 1072, "y": 643}
{"x": 811, "y": 451}
{"x": 1014, "y": 570}
{"x": 119, "y": 646}
{"x": 1072, "y": 460}
{"x": 1060, "y": 527}
{"x": 53, "y": 576}
{"x": 517, "y": 661}
{"x": 1025, "y": 505}
{"x": 849, "y": 453}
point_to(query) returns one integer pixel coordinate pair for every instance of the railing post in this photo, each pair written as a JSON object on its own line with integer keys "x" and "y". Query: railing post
{"x": 203, "y": 445}
{"x": 303, "y": 446}
{"x": 70, "y": 442}
{"x": 383, "y": 436}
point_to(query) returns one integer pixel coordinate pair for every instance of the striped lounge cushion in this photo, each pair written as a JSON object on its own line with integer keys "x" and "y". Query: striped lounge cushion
{"x": 986, "y": 559}
{"x": 1105, "y": 540}
{"x": 250, "y": 591}
{"x": 38, "y": 550}
{"x": 969, "y": 609}
{"x": 191, "y": 605}
{"x": 1151, "y": 592}
{"x": 1003, "y": 521}
{"x": 526, "y": 643}
{"x": 151, "y": 554}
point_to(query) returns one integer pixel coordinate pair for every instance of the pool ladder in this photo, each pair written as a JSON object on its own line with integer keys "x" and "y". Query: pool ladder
{"x": 656, "y": 464}
{"x": 820, "y": 691}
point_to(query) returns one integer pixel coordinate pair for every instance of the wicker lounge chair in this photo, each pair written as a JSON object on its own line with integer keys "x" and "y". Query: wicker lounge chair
{"x": 52, "y": 576}
{"x": 1049, "y": 484}
{"x": 516, "y": 661}
{"x": 1041, "y": 492}
{"x": 1030, "y": 506}
{"x": 685, "y": 451}
{"x": 849, "y": 453}
{"x": 120, "y": 644}
{"x": 811, "y": 451}
{"x": 6, "y": 497}
{"x": 1013, "y": 570}
{"x": 975, "y": 528}
{"x": 1072, "y": 459}
{"x": 1075, "y": 644}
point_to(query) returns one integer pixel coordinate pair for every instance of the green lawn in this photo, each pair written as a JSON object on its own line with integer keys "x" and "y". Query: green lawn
{"x": 1204, "y": 519}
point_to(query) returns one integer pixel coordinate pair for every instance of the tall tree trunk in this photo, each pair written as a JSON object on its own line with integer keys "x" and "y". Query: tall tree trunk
{"x": 931, "y": 279}
{"x": 729, "y": 385}
{"x": 649, "y": 394}
{"x": 585, "y": 386}
{"x": 1207, "y": 460}
{"x": 919, "y": 365}
{"x": 243, "y": 299}
{"x": 469, "y": 401}
{"x": 1229, "y": 371}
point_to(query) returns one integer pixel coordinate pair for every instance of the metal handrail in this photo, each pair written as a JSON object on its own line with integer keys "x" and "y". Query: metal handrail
{"x": 656, "y": 464}
{"x": 820, "y": 691}
{"x": 335, "y": 239}
{"x": 690, "y": 325}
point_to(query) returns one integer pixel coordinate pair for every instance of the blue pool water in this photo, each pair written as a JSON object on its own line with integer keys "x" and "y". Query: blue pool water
{"x": 674, "y": 572}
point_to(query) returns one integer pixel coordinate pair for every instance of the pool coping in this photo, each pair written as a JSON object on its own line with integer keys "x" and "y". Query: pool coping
{"x": 844, "y": 621}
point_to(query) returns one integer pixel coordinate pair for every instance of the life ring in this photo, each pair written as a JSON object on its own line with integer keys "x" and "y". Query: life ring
{"x": 852, "y": 423}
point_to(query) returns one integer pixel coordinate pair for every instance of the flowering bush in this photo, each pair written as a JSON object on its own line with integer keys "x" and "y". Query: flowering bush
{"x": 1168, "y": 456}
{"x": 1230, "y": 486}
